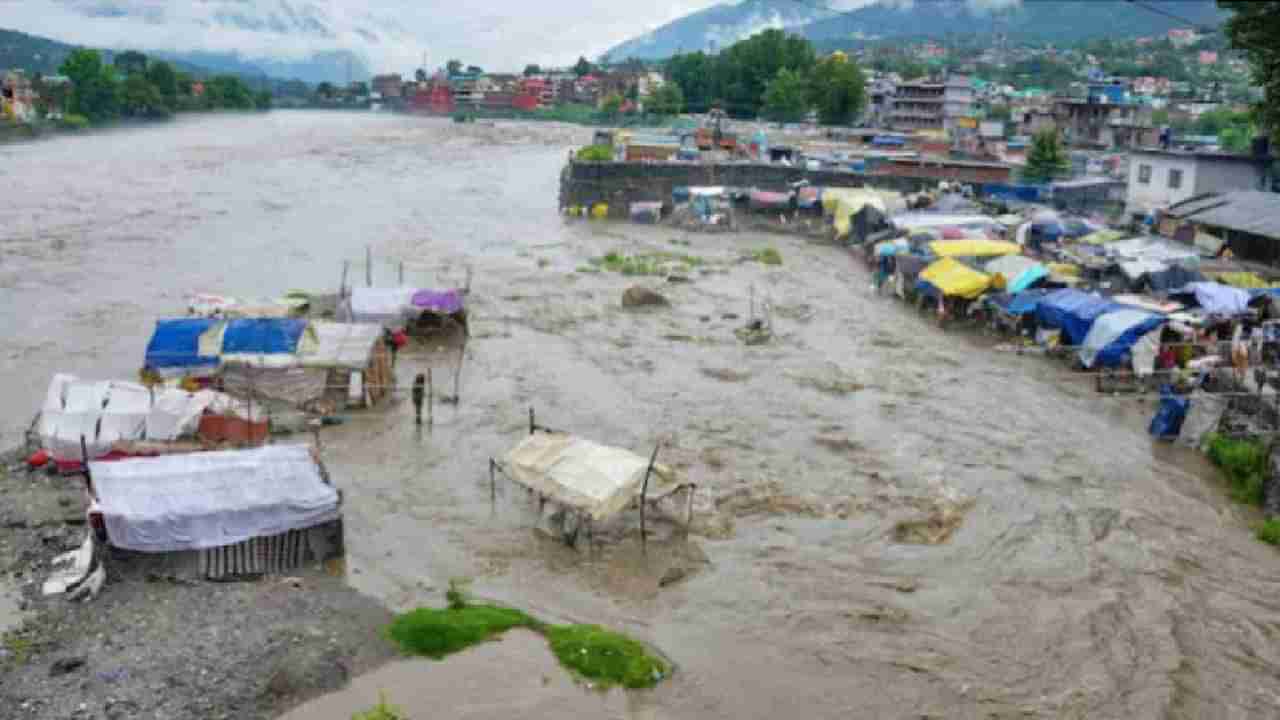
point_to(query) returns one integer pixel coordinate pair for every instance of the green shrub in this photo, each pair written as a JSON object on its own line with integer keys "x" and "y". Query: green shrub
{"x": 767, "y": 256}
{"x": 596, "y": 153}
{"x": 604, "y": 656}
{"x": 438, "y": 633}
{"x": 381, "y": 711}
{"x": 1246, "y": 465}
{"x": 75, "y": 122}
{"x": 1269, "y": 531}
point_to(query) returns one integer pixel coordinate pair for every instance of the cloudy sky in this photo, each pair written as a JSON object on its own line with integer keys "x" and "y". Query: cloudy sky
{"x": 393, "y": 34}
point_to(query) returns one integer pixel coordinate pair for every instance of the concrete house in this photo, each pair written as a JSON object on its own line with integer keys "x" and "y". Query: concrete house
{"x": 1160, "y": 178}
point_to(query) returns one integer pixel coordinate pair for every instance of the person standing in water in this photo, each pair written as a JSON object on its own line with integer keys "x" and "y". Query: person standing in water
{"x": 419, "y": 395}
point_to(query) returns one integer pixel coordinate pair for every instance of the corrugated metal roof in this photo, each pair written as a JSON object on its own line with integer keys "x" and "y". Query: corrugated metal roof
{"x": 1248, "y": 211}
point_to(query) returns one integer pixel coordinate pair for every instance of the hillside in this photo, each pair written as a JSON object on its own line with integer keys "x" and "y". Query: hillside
{"x": 1038, "y": 20}
{"x": 34, "y": 54}
{"x": 720, "y": 25}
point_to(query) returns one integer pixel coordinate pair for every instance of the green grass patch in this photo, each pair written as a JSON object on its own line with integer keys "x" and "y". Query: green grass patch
{"x": 605, "y": 657}
{"x": 647, "y": 264}
{"x": 18, "y": 648}
{"x": 1269, "y": 531}
{"x": 596, "y": 153}
{"x": 1246, "y": 465}
{"x": 381, "y": 711}
{"x": 767, "y": 256}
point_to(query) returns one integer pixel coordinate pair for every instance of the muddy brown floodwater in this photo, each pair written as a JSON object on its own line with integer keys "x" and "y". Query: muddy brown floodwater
{"x": 1081, "y": 572}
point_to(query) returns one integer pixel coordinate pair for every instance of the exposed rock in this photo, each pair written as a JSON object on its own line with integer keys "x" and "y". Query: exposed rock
{"x": 66, "y": 665}
{"x": 672, "y": 576}
{"x": 637, "y": 296}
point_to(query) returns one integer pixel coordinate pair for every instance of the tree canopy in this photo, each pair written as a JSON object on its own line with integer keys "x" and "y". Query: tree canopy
{"x": 667, "y": 99}
{"x": 838, "y": 90}
{"x": 786, "y": 98}
{"x": 93, "y": 93}
{"x": 1046, "y": 160}
{"x": 130, "y": 62}
{"x": 1254, "y": 28}
{"x": 582, "y": 67}
{"x": 531, "y": 70}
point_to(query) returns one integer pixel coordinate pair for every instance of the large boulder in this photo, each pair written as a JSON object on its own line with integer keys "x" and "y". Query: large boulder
{"x": 637, "y": 296}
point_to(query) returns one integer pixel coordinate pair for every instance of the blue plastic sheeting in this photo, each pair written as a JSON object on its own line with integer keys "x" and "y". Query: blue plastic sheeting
{"x": 176, "y": 344}
{"x": 1023, "y": 303}
{"x": 1168, "y": 419}
{"x": 1073, "y": 312}
{"x": 265, "y": 336}
{"x": 1028, "y": 278}
{"x": 1025, "y": 193}
{"x": 1219, "y": 299}
{"x": 680, "y": 194}
{"x": 1114, "y": 334}
{"x": 888, "y": 140}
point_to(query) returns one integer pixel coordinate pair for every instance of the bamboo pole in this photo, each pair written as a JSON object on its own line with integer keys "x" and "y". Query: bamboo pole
{"x": 342, "y": 287}
{"x": 401, "y": 284}
{"x": 644, "y": 493}
{"x": 368, "y": 265}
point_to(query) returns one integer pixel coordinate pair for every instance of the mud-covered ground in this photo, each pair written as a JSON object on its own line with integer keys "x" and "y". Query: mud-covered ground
{"x": 892, "y": 520}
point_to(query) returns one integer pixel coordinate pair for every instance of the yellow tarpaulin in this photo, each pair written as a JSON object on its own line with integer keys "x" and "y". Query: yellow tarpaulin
{"x": 843, "y": 203}
{"x": 1064, "y": 269}
{"x": 1102, "y": 237}
{"x": 956, "y": 279}
{"x": 973, "y": 248}
{"x": 1245, "y": 280}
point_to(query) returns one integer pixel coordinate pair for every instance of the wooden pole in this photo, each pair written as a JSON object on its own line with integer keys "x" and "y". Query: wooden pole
{"x": 342, "y": 287}
{"x": 401, "y": 284}
{"x": 493, "y": 484}
{"x": 688, "y": 513}
{"x": 532, "y": 426}
{"x": 644, "y": 496}
{"x": 457, "y": 374}
{"x": 368, "y": 265}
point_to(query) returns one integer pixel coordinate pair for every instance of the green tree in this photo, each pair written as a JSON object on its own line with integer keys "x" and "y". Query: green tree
{"x": 475, "y": 70}
{"x": 140, "y": 99}
{"x": 161, "y": 75}
{"x": 531, "y": 70}
{"x": 747, "y": 67}
{"x": 1254, "y": 28}
{"x": 228, "y": 92}
{"x": 611, "y": 106}
{"x": 1160, "y": 117}
{"x": 325, "y": 91}
{"x": 420, "y": 75}
{"x": 582, "y": 67}
{"x": 262, "y": 100}
{"x": 838, "y": 90}
{"x": 1002, "y": 113}
{"x": 1046, "y": 160}
{"x": 184, "y": 82}
{"x": 693, "y": 74}
{"x": 359, "y": 88}
{"x": 786, "y": 99}
{"x": 131, "y": 62}
{"x": 453, "y": 67}
{"x": 93, "y": 92}
{"x": 666, "y": 99}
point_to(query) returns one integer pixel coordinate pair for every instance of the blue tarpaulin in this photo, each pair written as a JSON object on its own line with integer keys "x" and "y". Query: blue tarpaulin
{"x": 888, "y": 141}
{"x": 176, "y": 344}
{"x": 1114, "y": 334}
{"x": 1073, "y": 312}
{"x": 1023, "y": 303}
{"x": 1219, "y": 299}
{"x": 1168, "y": 419}
{"x": 264, "y": 336}
{"x": 1024, "y": 193}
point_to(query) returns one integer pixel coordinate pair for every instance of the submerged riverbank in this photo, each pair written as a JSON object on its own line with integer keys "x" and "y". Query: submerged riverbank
{"x": 1086, "y": 571}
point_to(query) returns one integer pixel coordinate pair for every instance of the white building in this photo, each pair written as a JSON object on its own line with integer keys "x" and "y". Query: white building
{"x": 1160, "y": 178}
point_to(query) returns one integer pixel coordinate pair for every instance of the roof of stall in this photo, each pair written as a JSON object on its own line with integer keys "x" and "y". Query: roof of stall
{"x": 973, "y": 248}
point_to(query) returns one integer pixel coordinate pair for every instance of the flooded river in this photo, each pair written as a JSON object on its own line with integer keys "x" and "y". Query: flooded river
{"x": 1089, "y": 573}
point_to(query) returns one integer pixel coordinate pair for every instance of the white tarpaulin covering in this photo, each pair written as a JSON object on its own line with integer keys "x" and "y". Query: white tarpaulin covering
{"x": 381, "y": 306}
{"x": 207, "y": 500}
{"x": 342, "y": 345}
{"x": 596, "y": 479}
{"x": 1108, "y": 328}
{"x": 104, "y": 412}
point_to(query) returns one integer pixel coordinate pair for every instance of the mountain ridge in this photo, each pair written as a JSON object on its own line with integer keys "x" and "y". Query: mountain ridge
{"x": 1039, "y": 20}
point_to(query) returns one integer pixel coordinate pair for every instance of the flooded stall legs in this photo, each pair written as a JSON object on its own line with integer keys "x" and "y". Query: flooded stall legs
{"x": 889, "y": 521}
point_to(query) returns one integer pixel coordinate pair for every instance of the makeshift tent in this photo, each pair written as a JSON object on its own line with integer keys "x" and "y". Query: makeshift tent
{"x": 1023, "y": 303}
{"x": 955, "y": 279}
{"x": 263, "y": 342}
{"x": 175, "y": 348}
{"x": 594, "y": 479}
{"x": 383, "y": 306}
{"x": 1172, "y": 278}
{"x": 206, "y": 500}
{"x": 1019, "y": 271}
{"x": 107, "y": 412}
{"x": 1102, "y": 237}
{"x": 356, "y": 358}
{"x": 973, "y": 248}
{"x": 1073, "y": 312}
{"x": 648, "y": 213}
{"x": 1219, "y": 299}
{"x": 924, "y": 220}
{"x": 764, "y": 200}
{"x": 1114, "y": 333}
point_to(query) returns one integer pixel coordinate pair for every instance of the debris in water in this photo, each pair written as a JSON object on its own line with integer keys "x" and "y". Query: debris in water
{"x": 726, "y": 374}
{"x": 833, "y": 381}
{"x": 936, "y": 528}
{"x": 637, "y": 296}
{"x": 754, "y": 333}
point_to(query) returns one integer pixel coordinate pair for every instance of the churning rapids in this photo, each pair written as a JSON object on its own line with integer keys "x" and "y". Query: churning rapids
{"x": 1089, "y": 573}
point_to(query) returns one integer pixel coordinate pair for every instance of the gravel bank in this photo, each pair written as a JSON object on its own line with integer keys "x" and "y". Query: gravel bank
{"x": 152, "y": 646}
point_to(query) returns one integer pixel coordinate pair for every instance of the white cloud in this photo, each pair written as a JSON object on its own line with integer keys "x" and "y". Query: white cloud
{"x": 391, "y": 34}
